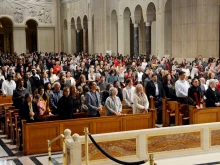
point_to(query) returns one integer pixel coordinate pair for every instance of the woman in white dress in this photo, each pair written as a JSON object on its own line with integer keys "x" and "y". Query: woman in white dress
{"x": 141, "y": 103}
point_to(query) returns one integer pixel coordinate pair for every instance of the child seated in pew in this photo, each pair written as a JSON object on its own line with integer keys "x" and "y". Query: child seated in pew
{"x": 40, "y": 105}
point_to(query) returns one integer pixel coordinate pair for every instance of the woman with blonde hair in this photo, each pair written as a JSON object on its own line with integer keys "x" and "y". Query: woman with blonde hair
{"x": 141, "y": 103}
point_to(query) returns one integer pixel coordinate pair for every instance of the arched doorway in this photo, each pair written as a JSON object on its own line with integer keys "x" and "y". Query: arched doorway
{"x": 137, "y": 20}
{"x": 79, "y": 35}
{"x": 31, "y": 36}
{"x": 114, "y": 33}
{"x": 128, "y": 32}
{"x": 168, "y": 28}
{"x": 6, "y": 35}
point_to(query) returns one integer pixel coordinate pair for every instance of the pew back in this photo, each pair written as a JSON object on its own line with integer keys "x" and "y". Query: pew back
{"x": 5, "y": 99}
{"x": 35, "y": 135}
{"x": 205, "y": 115}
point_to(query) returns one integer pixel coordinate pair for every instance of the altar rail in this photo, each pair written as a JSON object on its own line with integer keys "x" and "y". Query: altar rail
{"x": 35, "y": 135}
{"x": 137, "y": 145}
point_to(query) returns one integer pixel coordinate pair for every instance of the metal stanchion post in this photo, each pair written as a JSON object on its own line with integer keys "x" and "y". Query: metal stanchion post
{"x": 151, "y": 158}
{"x": 49, "y": 150}
{"x": 86, "y": 131}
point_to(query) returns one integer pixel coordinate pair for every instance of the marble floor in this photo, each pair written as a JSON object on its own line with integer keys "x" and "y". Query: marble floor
{"x": 10, "y": 155}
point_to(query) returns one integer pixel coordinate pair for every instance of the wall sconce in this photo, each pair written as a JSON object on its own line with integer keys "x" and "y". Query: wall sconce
{"x": 26, "y": 26}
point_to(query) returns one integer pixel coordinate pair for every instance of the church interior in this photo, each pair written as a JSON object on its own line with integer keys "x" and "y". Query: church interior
{"x": 178, "y": 30}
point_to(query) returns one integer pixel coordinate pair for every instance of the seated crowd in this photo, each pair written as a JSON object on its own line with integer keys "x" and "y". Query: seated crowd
{"x": 60, "y": 84}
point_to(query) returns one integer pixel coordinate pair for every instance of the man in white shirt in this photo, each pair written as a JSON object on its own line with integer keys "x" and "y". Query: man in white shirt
{"x": 128, "y": 93}
{"x": 181, "y": 87}
{"x": 8, "y": 86}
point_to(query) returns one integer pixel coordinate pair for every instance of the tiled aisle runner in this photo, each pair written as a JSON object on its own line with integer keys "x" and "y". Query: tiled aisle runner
{"x": 10, "y": 155}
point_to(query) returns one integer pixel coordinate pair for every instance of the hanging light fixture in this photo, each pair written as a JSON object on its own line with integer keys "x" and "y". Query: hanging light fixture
{"x": 1, "y": 26}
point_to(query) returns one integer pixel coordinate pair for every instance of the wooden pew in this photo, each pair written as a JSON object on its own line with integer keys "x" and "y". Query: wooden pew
{"x": 35, "y": 135}
{"x": 7, "y": 120}
{"x": 174, "y": 109}
{"x": 2, "y": 113}
{"x": 205, "y": 115}
{"x": 152, "y": 107}
{"x": 12, "y": 125}
{"x": 124, "y": 111}
{"x": 5, "y": 99}
{"x": 17, "y": 130}
{"x": 171, "y": 109}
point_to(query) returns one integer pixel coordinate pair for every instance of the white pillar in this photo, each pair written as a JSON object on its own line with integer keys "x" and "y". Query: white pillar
{"x": 73, "y": 39}
{"x": 90, "y": 31}
{"x": 121, "y": 33}
{"x": 160, "y": 33}
{"x": 69, "y": 40}
{"x": 127, "y": 32}
{"x": 19, "y": 39}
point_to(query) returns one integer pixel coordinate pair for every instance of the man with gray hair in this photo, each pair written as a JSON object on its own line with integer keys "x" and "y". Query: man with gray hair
{"x": 54, "y": 97}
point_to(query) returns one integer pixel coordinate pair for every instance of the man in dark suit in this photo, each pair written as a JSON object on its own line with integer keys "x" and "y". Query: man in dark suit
{"x": 155, "y": 90}
{"x": 28, "y": 109}
{"x": 93, "y": 101}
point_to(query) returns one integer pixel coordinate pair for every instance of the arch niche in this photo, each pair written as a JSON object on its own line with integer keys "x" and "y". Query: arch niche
{"x": 151, "y": 30}
{"x": 31, "y": 36}
{"x": 6, "y": 35}
{"x": 79, "y": 35}
{"x": 138, "y": 17}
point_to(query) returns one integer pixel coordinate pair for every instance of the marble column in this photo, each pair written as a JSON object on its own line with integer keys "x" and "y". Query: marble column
{"x": 136, "y": 40}
{"x": 148, "y": 40}
{"x": 85, "y": 40}
{"x": 19, "y": 40}
{"x": 69, "y": 39}
{"x": 78, "y": 41}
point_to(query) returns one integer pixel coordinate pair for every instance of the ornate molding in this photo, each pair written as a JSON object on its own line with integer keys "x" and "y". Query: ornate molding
{"x": 21, "y": 9}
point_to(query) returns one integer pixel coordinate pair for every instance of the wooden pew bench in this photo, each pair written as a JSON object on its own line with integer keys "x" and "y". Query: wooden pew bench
{"x": 35, "y": 135}
{"x": 2, "y": 113}
{"x": 205, "y": 115}
{"x": 173, "y": 109}
{"x": 7, "y": 119}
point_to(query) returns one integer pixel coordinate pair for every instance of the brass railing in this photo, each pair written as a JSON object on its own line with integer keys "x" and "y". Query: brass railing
{"x": 49, "y": 142}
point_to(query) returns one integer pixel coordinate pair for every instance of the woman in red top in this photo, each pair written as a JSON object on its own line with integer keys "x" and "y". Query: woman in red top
{"x": 57, "y": 68}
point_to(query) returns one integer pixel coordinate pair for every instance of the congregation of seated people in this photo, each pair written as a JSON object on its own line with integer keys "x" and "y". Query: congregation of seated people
{"x": 47, "y": 84}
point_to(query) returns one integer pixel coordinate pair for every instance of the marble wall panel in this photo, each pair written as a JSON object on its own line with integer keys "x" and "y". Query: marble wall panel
{"x": 215, "y": 137}
{"x": 174, "y": 142}
{"x": 115, "y": 148}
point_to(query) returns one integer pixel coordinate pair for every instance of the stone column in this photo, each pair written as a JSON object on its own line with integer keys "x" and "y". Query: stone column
{"x": 90, "y": 37}
{"x": 148, "y": 40}
{"x": 69, "y": 40}
{"x": 19, "y": 39}
{"x": 85, "y": 40}
{"x": 78, "y": 41}
{"x": 136, "y": 40}
{"x": 121, "y": 35}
